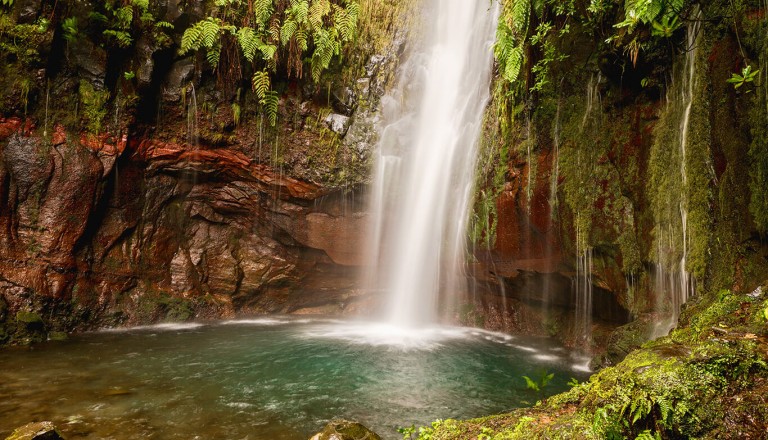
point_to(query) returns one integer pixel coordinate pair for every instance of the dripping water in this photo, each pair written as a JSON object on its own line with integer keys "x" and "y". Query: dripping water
{"x": 674, "y": 284}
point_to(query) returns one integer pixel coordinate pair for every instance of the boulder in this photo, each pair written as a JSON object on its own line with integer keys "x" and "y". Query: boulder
{"x": 181, "y": 73}
{"x": 338, "y": 123}
{"x": 36, "y": 431}
{"x": 345, "y": 430}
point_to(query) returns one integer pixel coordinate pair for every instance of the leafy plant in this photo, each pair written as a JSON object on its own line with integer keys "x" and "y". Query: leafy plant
{"x": 746, "y": 76}
{"x": 301, "y": 32}
{"x": 407, "y": 431}
{"x": 69, "y": 27}
{"x": 541, "y": 383}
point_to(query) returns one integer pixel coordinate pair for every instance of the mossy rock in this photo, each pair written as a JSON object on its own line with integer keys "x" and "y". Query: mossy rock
{"x": 30, "y": 328}
{"x": 624, "y": 340}
{"x": 36, "y": 431}
{"x": 345, "y": 430}
{"x": 58, "y": 336}
{"x": 707, "y": 379}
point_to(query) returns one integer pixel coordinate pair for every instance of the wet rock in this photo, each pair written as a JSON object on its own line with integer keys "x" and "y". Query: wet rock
{"x": 28, "y": 10}
{"x": 146, "y": 65}
{"x": 344, "y": 100}
{"x": 624, "y": 340}
{"x": 181, "y": 73}
{"x": 29, "y": 328}
{"x": 28, "y": 164}
{"x": 345, "y": 430}
{"x": 91, "y": 61}
{"x": 338, "y": 123}
{"x": 36, "y": 431}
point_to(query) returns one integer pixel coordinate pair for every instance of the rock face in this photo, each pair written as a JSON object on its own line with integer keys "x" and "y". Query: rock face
{"x": 140, "y": 185}
{"x": 100, "y": 233}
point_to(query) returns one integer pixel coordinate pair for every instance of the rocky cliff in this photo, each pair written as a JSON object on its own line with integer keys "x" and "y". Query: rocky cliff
{"x": 138, "y": 184}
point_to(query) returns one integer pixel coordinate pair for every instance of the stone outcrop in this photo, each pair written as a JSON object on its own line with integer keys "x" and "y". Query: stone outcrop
{"x": 345, "y": 430}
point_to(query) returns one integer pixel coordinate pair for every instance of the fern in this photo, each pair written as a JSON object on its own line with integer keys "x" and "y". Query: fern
{"x": 261, "y": 85}
{"x": 123, "y": 39}
{"x": 317, "y": 12}
{"x": 7, "y": 2}
{"x": 143, "y": 5}
{"x": 164, "y": 25}
{"x": 299, "y": 10}
{"x": 271, "y": 100}
{"x": 249, "y": 42}
{"x": 204, "y": 34}
{"x": 302, "y": 39}
{"x": 210, "y": 33}
{"x": 268, "y": 51}
{"x": 123, "y": 17}
{"x": 213, "y": 54}
{"x": 520, "y": 16}
{"x": 326, "y": 47}
{"x": 287, "y": 30}
{"x": 345, "y": 21}
{"x": 262, "y": 11}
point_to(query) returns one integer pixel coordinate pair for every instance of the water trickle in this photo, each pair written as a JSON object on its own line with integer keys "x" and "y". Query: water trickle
{"x": 674, "y": 284}
{"x": 426, "y": 159}
{"x": 193, "y": 131}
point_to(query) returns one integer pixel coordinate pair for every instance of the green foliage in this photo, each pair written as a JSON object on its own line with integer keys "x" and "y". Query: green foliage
{"x": 69, "y": 28}
{"x": 92, "y": 106}
{"x": 407, "y": 432}
{"x": 298, "y": 31}
{"x": 8, "y": 3}
{"x": 746, "y": 76}
{"x": 541, "y": 383}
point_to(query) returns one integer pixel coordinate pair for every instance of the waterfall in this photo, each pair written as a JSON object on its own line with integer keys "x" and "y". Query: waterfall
{"x": 673, "y": 283}
{"x": 425, "y": 162}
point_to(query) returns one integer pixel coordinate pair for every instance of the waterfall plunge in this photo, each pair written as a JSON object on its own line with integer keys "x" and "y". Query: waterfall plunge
{"x": 426, "y": 159}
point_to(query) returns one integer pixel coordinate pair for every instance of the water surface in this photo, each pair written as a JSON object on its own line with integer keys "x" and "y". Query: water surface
{"x": 271, "y": 378}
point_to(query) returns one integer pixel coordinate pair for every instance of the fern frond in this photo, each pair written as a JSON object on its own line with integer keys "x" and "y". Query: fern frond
{"x": 213, "y": 55}
{"x": 268, "y": 52}
{"x": 317, "y": 12}
{"x": 249, "y": 42}
{"x": 302, "y": 39}
{"x": 261, "y": 85}
{"x": 513, "y": 64}
{"x": 122, "y": 38}
{"x": 271, "y": 101}
{"x": 164, "y": 25}
{"x": 287, "y": 30}
{"x": 210, "y": 32}
{"x": 299, "y": 10}
{"x": 262, "y": 11}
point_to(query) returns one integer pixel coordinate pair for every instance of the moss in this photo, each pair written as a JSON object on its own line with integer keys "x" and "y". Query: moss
{"x": 93, "y": 106}
{"x": 687, "y": 385}
{"x": 157, "y": 306}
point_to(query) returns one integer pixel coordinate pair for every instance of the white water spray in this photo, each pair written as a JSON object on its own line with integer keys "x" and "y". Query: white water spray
{"x": 426, "y": 159}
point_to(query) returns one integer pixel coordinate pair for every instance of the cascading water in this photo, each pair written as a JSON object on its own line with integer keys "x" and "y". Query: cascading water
{"x": 426, "y": 160}
{"x": 673, "y": 283}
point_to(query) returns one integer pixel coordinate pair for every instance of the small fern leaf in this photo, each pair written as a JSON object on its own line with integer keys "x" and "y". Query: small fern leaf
{"x": 249, "y": 42}
{"x": 287, "y": 30}
{"x": 317, "y": 12}
{"x": 213, "y": 55}
{"x": 261, "y": 85}
{"x": 299, "y": 10}
{"x": 271, "y": 101}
